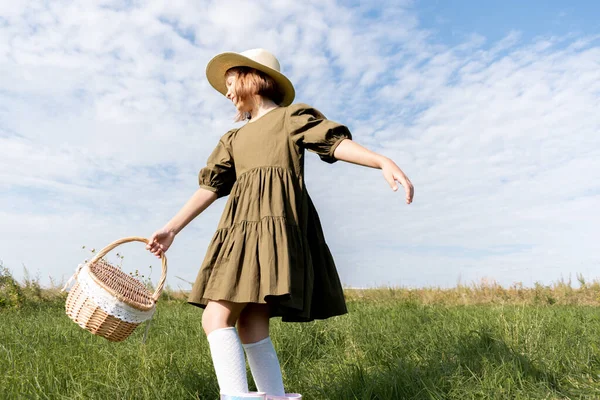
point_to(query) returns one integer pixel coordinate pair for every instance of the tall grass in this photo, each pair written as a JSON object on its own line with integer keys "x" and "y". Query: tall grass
{"x": 16, "y": 295}
{"x": 479, "y": 342}
{"x": 562, "y": 292}
{"x": 489, "y": 292}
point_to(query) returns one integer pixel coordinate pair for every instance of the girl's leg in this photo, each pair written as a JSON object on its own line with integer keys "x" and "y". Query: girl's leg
{"x": 221, "y": 314}
{"x": 253, "y": 326}
{"x": 218, "y": 321}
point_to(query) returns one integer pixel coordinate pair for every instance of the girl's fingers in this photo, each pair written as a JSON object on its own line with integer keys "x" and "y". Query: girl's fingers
{"x": 151, "y": 241}
{"x": 407, "y": 184}
{"x": 154, "y": 246}
{"x": 157, "y": 248}
{"x": 391, "y": 181}
{"x": 410, "y": 192}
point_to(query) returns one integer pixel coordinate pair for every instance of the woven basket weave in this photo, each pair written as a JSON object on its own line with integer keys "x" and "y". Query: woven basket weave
{"x": 83, "y": 310}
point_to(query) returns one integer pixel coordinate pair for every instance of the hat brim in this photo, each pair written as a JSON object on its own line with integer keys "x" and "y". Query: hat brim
{"x": 221, "y": 63}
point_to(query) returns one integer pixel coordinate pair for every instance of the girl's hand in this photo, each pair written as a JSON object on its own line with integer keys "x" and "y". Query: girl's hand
{"x": 160, "y": 242}
{"x": 392, "y": 174}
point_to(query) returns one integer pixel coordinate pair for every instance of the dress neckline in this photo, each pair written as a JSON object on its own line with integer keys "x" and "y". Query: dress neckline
{"x": 262, "y": 116}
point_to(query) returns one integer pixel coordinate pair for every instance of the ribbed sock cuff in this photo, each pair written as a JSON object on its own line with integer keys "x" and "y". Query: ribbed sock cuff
{"x": 264, "y": 366}
{"x": 228, "y": 359}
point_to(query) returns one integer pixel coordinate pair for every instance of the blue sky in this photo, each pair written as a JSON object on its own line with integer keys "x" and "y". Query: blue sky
{"x": 489, "y": 107}
{"x": 451, "y": 21}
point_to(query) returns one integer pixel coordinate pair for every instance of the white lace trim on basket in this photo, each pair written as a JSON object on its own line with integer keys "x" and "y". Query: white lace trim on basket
{"x": 107, "y": 302}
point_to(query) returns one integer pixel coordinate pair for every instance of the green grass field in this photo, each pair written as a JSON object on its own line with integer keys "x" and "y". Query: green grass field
{"x": 470, "y": 342}
{"x": 385, "y": 348}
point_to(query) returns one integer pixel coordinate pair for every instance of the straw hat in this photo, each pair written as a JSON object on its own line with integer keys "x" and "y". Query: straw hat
{"x": 259, "y": 59}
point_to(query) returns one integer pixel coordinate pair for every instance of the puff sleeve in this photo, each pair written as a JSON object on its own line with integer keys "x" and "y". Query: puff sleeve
{"x": 219, "y": 175}
{"x": 310, "y": 129}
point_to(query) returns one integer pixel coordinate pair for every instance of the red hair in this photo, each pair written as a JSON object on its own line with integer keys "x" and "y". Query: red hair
{"x": 251, "y": 82}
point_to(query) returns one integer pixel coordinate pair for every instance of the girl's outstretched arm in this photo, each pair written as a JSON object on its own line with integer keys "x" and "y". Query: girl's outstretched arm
{"x": 161, "y": 239}
{"x": 354, "y": 153}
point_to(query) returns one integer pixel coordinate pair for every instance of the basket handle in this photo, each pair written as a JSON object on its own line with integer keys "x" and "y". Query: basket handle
{"x": 163, "y": 277}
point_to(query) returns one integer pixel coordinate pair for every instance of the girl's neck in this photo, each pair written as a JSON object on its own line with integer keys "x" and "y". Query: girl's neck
{"x": 261, "y": 107}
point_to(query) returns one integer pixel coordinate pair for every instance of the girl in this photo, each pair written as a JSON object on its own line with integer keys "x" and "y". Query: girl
{"x": 268, "y": 257}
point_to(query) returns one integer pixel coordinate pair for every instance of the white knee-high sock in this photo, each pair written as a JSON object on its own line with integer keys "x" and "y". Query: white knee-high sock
{"x": 228, "y": 360}
{"x": 265, "y": 367}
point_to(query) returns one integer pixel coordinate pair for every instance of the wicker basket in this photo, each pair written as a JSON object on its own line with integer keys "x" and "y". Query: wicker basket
{"x": 108, "y": 302}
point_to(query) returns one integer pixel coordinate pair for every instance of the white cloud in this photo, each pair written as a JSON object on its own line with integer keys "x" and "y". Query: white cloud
{"x": 106, "y": 117}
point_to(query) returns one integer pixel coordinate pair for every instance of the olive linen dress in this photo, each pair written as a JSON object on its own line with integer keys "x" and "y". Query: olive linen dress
{"x": 269, "y": 246}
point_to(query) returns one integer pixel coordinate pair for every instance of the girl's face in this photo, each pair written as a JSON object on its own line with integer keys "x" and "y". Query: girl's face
{"x": 230, "y": 80}
{"x": 245, "y": 87}
{"x": 242, "y": 105}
